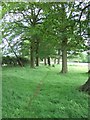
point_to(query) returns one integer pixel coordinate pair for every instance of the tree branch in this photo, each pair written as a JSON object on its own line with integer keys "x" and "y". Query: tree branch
{"x": 82, "y": 11}
{"x": 38, "y": 12}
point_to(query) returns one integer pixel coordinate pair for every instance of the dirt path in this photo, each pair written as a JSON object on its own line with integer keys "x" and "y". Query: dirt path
{"x": 38, "y": 88}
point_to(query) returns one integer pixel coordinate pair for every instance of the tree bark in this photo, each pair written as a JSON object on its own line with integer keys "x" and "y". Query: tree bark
{"x": 48, "y": 59}
{"x": 64, "y": 61}
{"x": 32, "y": 54}
{"x": 58, "y": 62}
{"x": 45, "y": 63}
{"x": 89, "y": 71}
{"x": 37, "y": 61}
{"x": 54, "y": 61}
{"x": 86, "y": 87}
{"x": 64, "y": 56}
{"x": 37, "y": 53}
{"x": 19, "y": 62}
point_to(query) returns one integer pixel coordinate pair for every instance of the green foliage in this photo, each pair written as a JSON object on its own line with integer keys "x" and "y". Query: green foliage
{"x": 50, "y": 24}
{"x": 12, "y": 61}
{"x": 84, "y": 58}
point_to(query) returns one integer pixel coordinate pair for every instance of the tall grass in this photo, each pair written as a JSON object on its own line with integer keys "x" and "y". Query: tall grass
{"x": 44, "y": 92}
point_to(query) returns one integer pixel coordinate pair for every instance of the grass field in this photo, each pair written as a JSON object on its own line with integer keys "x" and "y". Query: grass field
{"x": 44, "y": 93}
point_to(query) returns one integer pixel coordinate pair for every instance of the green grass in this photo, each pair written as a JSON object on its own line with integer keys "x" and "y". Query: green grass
{"x": 44, "y": 92}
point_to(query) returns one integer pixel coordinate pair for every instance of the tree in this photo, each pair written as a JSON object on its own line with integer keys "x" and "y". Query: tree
{"x": 28, "y": 18}
{"x": 48, "y": 27}
{"x": 64, "y": 28}
{"x": 86, "y": 86}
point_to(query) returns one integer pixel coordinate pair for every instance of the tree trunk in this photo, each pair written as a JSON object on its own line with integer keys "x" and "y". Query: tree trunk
{"x": 89, "y": 71}
{"x": 86, "y": 87}
{"x": 64, "y": 61}
{"x": 37, "y": 53}
{"x": 45, "y": 63}
{"x": 32, "y": 55}
{"x": 37, "y": 61}
{"x": 54, "y": 61}
{"x": 58, "y": 62}
{"x": 64, "y": 56}
{"x": 49, "y": 61}
{"x": 19, "y": 62}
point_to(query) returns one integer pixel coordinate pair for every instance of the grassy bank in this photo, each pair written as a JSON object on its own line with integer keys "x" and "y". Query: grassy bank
{"x": 44, "y": 92}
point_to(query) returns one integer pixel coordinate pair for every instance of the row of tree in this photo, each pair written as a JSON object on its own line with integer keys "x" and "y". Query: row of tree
{"x": 43, "y": 30}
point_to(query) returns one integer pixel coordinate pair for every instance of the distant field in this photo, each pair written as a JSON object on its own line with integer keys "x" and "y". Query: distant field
{"x": 44, "y": 92}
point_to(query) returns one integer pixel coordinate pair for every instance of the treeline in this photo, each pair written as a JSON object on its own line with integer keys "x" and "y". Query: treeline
{"x": 42, "y": 30}
{"x": 50, "y": 61}
{"x": 12, "y": 61}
